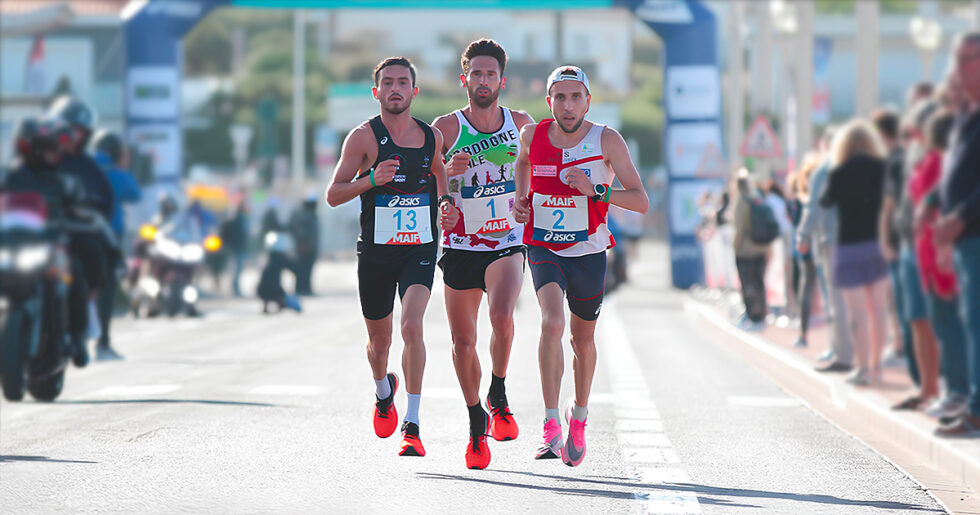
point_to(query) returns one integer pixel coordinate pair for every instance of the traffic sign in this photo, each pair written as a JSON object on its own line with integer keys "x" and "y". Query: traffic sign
{"x": 760, "y": 140}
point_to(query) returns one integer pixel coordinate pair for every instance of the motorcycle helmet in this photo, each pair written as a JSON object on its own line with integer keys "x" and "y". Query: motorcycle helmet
{"x": 76, "y": 114}
{"x": 109, "y": 143}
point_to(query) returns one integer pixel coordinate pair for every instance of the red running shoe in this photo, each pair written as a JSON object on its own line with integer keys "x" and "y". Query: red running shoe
{"x": 385, "y": 415}
{"x": 478, "y": 452}
{"x": 411, "y": 444}
{"x": 503, "y": 427}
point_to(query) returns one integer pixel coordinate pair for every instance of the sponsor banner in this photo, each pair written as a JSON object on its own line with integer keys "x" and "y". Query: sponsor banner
{"x": 684, "y": 214}
{"x": 693, "y": 92}
{"x": 162, "y": 142}
{"x": 152, "y": 92}
{"x": 688, "y": 144}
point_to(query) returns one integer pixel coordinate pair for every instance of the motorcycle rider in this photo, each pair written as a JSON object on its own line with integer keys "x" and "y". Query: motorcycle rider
{"x": 39, "y": 156}
{"x": 98, "y": 197}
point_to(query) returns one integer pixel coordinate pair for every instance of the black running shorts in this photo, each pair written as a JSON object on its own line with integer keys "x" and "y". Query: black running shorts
{"x": 583, "y": 278}
{"x": 467, "y": 269}
{"x": 377, "y": 277}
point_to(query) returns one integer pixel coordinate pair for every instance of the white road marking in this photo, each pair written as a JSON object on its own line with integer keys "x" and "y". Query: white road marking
{"x": 288, "y": 389}
{"x": 639, "y": 428}
{"x": 764, "y": 402}
{"x": 134, "y": 390}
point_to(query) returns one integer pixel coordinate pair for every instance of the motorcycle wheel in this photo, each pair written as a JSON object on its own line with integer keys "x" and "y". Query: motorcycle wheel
{"x": 13, "y": 365}
{"x": 49, "y": 388}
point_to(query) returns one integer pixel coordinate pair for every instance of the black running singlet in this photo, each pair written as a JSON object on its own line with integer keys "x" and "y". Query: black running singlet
{"x": 402, "y": 213}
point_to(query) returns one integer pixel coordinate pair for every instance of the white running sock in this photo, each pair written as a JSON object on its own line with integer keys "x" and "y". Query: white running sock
{"x": 551, "y": 413}
{"x": 580, "y": 412}
{"x": 412, "y": 414}
{"x": 383, "y": 387}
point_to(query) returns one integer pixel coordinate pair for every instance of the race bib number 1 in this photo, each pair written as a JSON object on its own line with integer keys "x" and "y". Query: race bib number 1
{"x": 488, "y": 208}
{"x": 402, "y": 220}
{"x": 560, "y": 218}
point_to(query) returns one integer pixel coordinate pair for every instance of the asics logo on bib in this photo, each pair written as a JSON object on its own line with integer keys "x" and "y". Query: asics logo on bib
{"x": 397, "y": 201}
{"x": 559, "y": 202}
{"x": 558, "y": 237}
{"x": 490, "y": 190}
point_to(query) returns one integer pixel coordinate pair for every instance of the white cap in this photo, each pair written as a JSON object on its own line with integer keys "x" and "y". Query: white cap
{"x": 568, "y": 72}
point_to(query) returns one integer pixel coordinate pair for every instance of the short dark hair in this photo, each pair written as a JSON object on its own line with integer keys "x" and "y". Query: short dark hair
{"x": 938, "y": 128}
{"x": 480, "y": 47}
{"x": 394, "y": 61}
{"x": 887, "y": 122}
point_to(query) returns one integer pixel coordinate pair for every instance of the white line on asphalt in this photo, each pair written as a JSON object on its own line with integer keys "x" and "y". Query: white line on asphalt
{"x": 134, "y": 390}
{"x": 639, "y": 428}
{"x": 288, "y": 389}
{"x": 764, "y": 402}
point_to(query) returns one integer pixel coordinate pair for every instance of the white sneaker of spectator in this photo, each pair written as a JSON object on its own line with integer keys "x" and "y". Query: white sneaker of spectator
{"x": 948, "y": 405}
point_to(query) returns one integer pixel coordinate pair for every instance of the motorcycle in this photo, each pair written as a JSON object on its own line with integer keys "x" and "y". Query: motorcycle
{"x": 169, "y": 261}
{"x": 34, "y": 280}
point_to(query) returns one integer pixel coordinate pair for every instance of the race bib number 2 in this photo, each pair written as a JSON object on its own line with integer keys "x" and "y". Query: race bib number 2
{"x": 402, "y": 220}
{"x": 560, "y": 218}
{"x": 488, "y": 208}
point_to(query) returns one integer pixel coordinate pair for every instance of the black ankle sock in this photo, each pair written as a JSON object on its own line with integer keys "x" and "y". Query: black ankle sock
{"x": 478, "y": 420}
{"x": 498, "y": 395}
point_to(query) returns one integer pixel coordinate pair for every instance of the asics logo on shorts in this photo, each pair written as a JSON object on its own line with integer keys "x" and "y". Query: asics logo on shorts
{"x": 397, "y": 201}
{"x": 425, "y": 262}
{"x": 384, "y": 140}
{"x": 490, "y": 190}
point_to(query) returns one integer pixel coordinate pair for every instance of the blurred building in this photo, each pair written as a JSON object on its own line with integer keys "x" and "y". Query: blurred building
{"x": 900, "y": 61}
{"x": 81, "y": 53}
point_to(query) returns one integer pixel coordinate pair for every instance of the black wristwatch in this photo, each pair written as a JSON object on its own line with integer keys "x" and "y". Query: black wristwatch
{"x": 600, "y": 192}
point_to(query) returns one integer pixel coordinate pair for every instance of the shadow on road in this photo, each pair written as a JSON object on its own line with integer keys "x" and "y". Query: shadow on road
{"x": 41, "y": 459}
{"x": 700, "y": 490}
{"x": 172, "y": 401}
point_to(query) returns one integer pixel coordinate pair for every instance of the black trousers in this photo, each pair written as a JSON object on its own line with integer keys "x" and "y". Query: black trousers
{"x": 304, "y": 273}
{"x": 107, "y": 297}
{"x": 751, "y": 273}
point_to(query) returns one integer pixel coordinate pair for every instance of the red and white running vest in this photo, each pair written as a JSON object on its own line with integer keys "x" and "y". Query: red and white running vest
{"x": 562, "y": 219}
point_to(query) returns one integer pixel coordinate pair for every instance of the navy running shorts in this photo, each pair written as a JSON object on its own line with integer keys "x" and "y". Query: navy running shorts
{"x": 583, "y": 278}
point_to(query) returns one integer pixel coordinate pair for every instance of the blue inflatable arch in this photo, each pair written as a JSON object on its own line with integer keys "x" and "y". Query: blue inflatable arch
{"x": 692, "y": 97}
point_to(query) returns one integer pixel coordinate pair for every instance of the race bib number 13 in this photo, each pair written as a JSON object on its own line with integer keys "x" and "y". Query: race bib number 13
{"x": 560, "y": 218}
{"x": 402, "y": 220}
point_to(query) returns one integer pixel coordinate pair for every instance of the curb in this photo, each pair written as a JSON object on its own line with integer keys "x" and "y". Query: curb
{"x": 861, "y": 413}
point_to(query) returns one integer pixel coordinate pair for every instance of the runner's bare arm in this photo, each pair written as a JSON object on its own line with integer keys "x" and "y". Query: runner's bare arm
{"x": 521, "y": 118}
{"x": 522, "y": 176}
{"x": 448, "y": 215}
{"x": 449, "y": 126}
{"x": 617, "y": 155}
{"x": 439, "y": 166}
{"x": 354, "y": 157}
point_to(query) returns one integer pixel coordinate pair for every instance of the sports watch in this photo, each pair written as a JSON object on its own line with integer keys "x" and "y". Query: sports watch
{"x": 600, "y": 192}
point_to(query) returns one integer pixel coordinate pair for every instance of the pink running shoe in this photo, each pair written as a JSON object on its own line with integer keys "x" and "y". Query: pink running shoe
{"x": 550, "y": 447}
{"x": 574, "y": 450}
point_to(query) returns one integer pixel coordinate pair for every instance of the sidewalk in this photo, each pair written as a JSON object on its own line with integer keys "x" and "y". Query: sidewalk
{"x": 948, "y": 468}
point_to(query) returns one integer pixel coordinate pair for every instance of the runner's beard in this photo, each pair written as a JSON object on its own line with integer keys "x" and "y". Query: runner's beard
{"x": 406, "y": 103}
{"x": 573, "y": 129}
{"x": 484, "y": 102}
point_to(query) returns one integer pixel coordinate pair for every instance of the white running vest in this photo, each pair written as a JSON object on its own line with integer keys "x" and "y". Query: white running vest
{"x": 484, "y": 193}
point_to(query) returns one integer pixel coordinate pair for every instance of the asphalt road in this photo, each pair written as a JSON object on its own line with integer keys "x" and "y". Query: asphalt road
{"x": 249, "y": 413}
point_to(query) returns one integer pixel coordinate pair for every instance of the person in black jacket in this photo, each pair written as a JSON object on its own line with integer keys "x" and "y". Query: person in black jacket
{"x": 36, "y": 170}
{"x": 97, "y": 195}
{"x": 854, "y": 188}
{"x": 305, "y": 229}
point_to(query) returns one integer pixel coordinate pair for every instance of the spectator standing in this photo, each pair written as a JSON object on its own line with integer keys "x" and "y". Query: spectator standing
{"x": 959, "y": 225}
{"x": 818, "y": 227}
{"x": 854, "y": 189}
{"x": 750, "y": 257}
